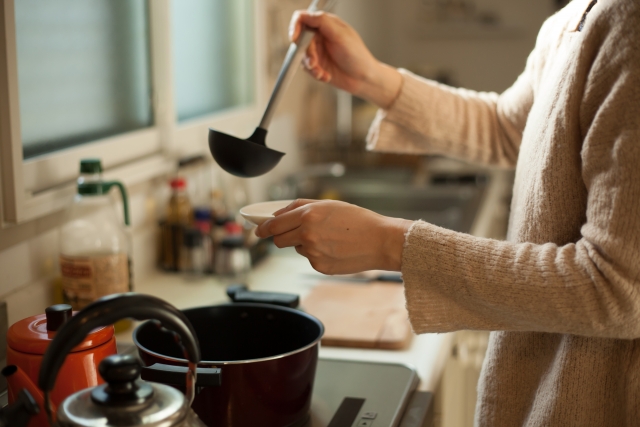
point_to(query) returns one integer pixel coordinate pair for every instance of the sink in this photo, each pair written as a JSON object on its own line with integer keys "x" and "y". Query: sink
{"x": 447, "y": 200}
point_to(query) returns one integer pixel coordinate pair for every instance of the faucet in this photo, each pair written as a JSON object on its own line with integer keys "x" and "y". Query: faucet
{"x": 289, "y": 188}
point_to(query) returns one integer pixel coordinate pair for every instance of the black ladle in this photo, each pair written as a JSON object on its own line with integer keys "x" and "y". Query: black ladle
{"x": 251, "y": 157}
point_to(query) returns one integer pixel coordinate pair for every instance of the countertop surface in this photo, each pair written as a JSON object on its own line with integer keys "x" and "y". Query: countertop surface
{"x": 286, "y": 271}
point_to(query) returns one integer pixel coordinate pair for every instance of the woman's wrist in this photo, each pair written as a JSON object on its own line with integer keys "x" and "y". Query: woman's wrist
{"x": 381, "y": 85}
{"x": 392, "y": 244}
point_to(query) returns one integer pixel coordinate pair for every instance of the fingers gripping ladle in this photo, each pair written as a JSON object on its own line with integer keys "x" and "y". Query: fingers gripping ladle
{"x": 251, "y": 157}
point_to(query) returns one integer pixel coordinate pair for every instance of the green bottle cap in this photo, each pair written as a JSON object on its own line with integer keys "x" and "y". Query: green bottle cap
{"x": 90, "y": 166}
{"x": 94, "y": 166}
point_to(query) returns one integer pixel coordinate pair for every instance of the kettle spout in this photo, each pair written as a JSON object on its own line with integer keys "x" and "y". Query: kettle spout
{"x": 18, "y": 380}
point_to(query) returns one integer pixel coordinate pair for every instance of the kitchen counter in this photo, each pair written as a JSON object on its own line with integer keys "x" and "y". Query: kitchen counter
{"x": 286, "y": 271}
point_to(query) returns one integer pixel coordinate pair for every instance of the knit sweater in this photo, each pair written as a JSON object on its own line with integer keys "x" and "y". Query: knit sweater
{"x": 562, "y": 294}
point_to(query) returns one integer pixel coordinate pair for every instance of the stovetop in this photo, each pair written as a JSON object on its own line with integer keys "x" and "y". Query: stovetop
{"x": 363, "y": 394}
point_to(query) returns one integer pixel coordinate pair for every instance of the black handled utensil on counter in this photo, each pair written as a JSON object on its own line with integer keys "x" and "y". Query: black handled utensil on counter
{"x": 251, "y": 157}
{"x": 390, "y": 276}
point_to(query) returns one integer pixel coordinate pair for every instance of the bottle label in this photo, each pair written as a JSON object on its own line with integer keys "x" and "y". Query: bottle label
{"x": 87, "y": 278}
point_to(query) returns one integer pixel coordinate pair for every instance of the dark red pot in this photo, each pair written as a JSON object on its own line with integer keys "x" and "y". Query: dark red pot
{"x": 267, "y": 356}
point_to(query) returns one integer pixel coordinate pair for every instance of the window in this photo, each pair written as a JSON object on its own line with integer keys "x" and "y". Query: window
{"x": 133, "y": 82}
{"x": 212, "y": 56}
{"x": 83, "y": 71}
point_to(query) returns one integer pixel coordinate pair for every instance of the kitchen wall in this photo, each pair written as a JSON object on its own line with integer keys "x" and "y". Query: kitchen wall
{"x": 483, "y": 47}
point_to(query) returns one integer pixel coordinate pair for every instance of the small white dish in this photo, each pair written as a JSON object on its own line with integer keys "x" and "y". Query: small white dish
{"x": 260, "y": 212}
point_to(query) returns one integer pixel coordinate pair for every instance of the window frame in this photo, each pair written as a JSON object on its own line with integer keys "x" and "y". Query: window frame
{"x": 39, "y": 186}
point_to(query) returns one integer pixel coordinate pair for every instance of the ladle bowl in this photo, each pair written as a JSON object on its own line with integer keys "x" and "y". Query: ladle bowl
{"x": 246, "y": 158}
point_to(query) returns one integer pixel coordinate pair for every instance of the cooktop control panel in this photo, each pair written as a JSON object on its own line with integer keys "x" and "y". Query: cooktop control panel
{"x": 360, "y": 394}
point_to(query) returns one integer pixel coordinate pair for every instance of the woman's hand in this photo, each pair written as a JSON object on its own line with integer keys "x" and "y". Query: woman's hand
{"x": 338, "y": 55}
{"x": 338, "y": 237}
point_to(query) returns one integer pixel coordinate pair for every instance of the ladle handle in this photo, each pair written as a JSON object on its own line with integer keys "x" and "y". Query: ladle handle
{"x": 294, "y": 56}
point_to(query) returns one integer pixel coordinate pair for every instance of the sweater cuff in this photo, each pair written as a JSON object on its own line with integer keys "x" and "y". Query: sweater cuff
{"x": 436, "y": 264}
{"x": 428, "y": 310}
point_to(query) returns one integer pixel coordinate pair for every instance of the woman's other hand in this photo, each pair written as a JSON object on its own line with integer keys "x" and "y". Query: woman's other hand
{"x": 338, "y": 237}
{"x": 338, "y": 55}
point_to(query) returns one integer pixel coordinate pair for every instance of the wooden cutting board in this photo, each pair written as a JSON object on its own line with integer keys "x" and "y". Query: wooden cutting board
{"x": 365, "y": 315}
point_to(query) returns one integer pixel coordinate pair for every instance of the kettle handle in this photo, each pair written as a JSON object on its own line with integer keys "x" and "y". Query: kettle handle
{"x": 106, "y": 311}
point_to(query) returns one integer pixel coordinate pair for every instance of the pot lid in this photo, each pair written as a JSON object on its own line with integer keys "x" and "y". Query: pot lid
{"x": 34, "y": 334}
{"x": 125, "y": 401}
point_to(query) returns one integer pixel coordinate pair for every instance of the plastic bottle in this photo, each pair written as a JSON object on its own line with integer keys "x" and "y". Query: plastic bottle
{"x": 202, "y": 222}
{"x": 94, "y": 244}
{"x": 196, "y": 254}
{"x": 232, "y": 257}
{"x": 218, "y": 207}
{"x": 178, "y": 219}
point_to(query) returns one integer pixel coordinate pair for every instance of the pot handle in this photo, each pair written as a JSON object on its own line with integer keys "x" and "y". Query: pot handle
{"x": 174, "y": 375}
{"x": 106, "y": 311}
{"x": 240, "y": 293}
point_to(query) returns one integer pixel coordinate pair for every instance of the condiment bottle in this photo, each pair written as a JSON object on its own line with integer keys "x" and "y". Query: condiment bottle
{"x": 178, "y": 219}
{"x": 202, "y": 222}
{"x": 232, "y": 257}
{"x": 196, "y": 254}
{"x": 218, "y": 207}
{"x": 94, "y": 245}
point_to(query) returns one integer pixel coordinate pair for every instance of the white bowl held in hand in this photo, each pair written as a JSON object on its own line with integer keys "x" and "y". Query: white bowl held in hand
{"x": 260, "y": 212}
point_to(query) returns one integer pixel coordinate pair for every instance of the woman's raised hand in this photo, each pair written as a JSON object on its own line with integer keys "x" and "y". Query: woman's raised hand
{"x": 338, "y": 237}
{"x": 337, "y": 55}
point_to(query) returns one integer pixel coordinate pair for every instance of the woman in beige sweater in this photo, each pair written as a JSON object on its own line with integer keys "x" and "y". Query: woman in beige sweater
{"x": 562, "y": 294}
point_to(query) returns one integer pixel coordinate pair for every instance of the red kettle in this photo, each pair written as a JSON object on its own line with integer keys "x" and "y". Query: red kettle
{"x": 27, "y": 341}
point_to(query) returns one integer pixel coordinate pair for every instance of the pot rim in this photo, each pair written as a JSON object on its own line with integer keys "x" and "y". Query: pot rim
{"x": 235, "y": 362}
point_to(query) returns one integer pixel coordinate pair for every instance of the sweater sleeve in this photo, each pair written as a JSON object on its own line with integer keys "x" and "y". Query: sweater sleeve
{"x": 431, "y": 118}
{"x": 590, "y": 287}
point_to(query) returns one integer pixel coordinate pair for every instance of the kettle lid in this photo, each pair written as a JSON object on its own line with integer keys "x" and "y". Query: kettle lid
{"x": 34, "y": 334}
{"x": 125, "y": 400}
